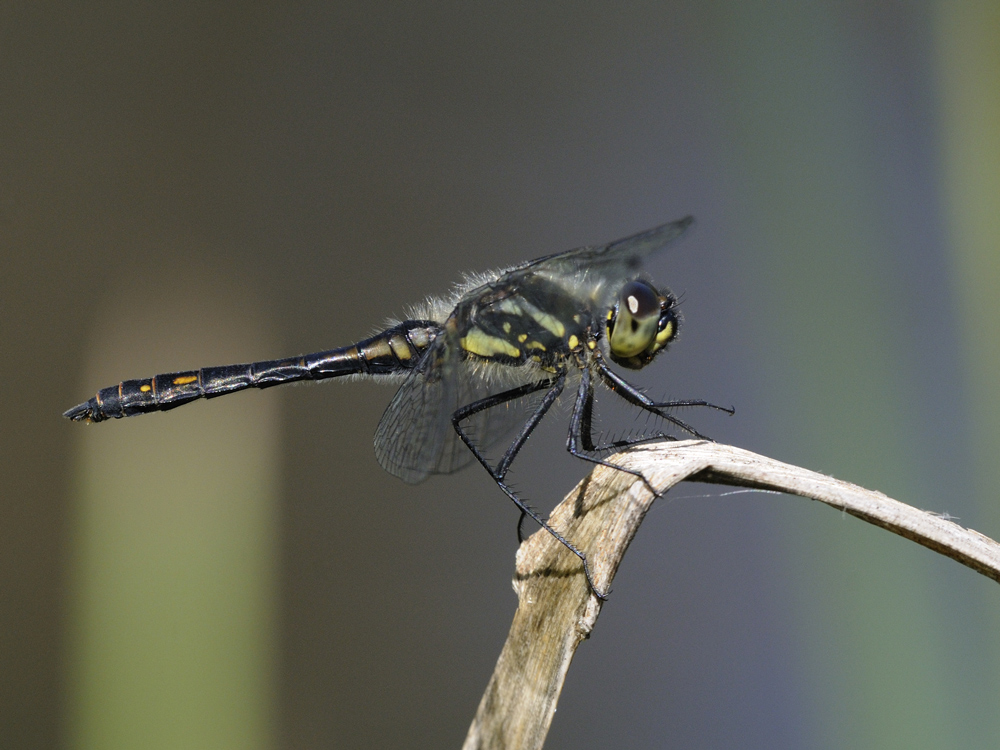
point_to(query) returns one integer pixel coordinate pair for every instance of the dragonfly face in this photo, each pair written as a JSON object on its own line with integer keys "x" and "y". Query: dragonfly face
{"x": 468, "y": 362}
{"x": 641, "y": 324}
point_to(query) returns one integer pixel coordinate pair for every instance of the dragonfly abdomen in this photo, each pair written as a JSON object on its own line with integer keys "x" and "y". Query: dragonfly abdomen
{"x": 394, "y": 350}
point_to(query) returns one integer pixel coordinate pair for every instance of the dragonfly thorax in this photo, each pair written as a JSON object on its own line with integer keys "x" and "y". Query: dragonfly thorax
{"x": 534, "y": 320}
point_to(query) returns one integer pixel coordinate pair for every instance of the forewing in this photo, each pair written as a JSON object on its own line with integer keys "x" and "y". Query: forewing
{"x": 614, "y": 261}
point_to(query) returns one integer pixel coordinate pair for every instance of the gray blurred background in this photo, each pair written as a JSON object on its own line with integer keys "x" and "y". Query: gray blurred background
{"x": 195, "y": 184}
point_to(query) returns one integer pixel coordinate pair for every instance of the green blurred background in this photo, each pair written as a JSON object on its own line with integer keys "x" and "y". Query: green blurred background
{"x": 192, "y": 184}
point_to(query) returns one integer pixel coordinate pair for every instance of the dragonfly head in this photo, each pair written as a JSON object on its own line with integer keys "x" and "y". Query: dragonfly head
{"x": 641, "y": 324}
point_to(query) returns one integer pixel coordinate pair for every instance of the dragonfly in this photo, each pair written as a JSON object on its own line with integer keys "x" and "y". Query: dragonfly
{"x": 481, "y": 367}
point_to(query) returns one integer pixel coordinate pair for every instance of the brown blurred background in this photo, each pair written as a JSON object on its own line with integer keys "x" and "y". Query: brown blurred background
{"x": 195, "y": 184}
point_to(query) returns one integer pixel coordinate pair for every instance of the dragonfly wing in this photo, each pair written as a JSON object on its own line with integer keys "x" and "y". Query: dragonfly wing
{"x": 411, "y": 437}
{"x": 616, "y": 260}
{"x": 495, "y": 427}
{"x": 416, "y": 437}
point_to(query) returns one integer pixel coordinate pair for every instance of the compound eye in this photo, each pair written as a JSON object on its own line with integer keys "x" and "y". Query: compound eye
{"x": 640, "y": 299}
{"x": 634, "y": 326}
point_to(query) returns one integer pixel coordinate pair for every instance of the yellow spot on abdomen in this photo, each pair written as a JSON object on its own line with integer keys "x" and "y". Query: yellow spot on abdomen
{"x": 399, "y": 347}
{"x": 522, "y": 338}
{"x": 573, "y": 342}
{"x": 145, "y": 388}
{"x": 377, "y": 349}
{"x": 477, "y": 342}
{"x": 184, "y": 379}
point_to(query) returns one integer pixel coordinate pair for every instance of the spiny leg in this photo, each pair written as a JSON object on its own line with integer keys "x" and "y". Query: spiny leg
{"x": 502, "y": 398}
{"x": 487, "y": 403}
{"x": 580, "y": 441}
{"x": 617, "y": 383}
{"x": 585, "y": 433}
{"x": 555, "y": 388}
{"x": 636, "y": 397}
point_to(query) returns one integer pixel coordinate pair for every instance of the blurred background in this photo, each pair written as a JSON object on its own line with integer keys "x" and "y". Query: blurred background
{"x": 192, "y": 184}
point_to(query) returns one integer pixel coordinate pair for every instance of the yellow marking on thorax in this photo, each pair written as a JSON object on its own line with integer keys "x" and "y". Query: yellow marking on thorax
{"x": 573, "y": 342}
{"x": 510, "y": 307}
{"x": 522, "y": 338}
{"x": 591, "y": 344}
{"x": 185, "y": 379}
{"x": 548, "y": 322}
{"x": 478, "y": 342}
{"x": 535, "y": 345}
{"x": 506, "y": 327}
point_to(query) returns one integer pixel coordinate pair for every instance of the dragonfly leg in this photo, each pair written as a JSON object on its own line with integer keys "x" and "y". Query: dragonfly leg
{"x": 636, "y": 397}
{"x": 499, "y": 472}
{"x": 488, "y": 403}
{"x": 580, "y": 441}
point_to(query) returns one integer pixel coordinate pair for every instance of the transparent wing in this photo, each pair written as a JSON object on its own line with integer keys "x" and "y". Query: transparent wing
{"x": 410, "y": 438}
{"x": 616, "y": 260}
{"x": 494, "y": 427}
{"x": 415, "y": 437}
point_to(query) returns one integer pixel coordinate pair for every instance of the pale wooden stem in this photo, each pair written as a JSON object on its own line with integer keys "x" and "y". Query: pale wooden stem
{"x": 557, "y": 610}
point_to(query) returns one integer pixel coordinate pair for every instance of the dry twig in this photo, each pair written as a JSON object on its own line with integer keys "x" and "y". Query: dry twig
{"x": 557, "y": 610}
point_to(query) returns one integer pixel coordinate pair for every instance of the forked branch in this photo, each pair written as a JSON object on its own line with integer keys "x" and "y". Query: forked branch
{"x": 557, "y": 610}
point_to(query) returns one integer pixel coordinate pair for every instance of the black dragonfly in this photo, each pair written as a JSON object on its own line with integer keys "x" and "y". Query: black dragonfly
{"x": 483, "y": 364}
